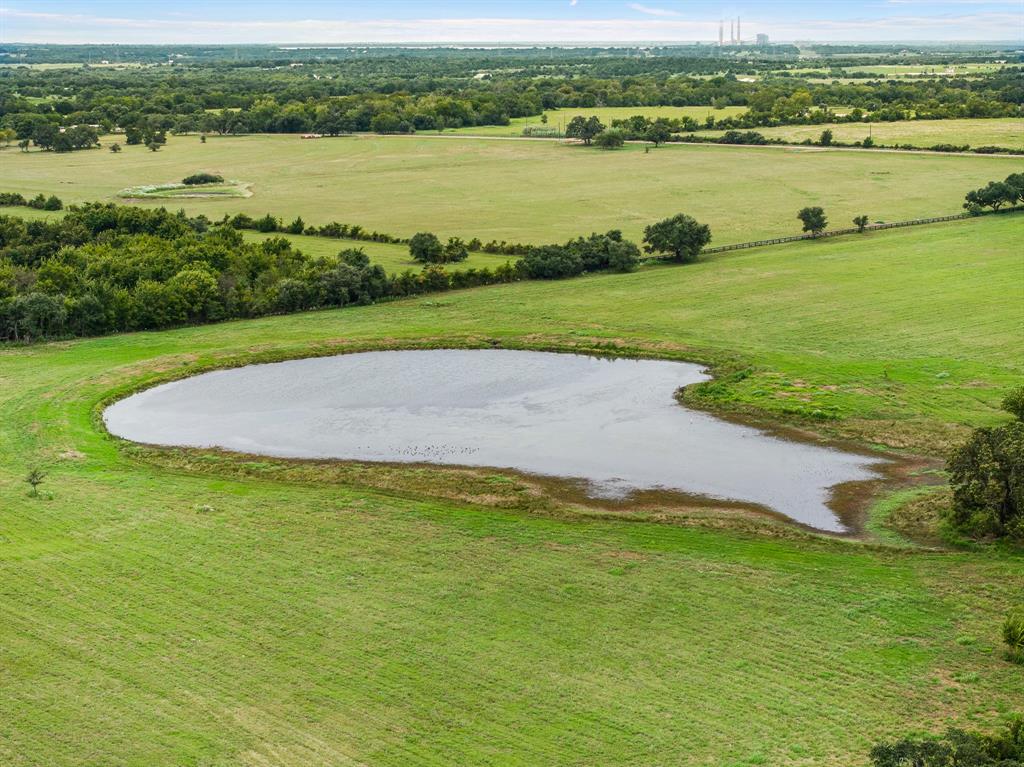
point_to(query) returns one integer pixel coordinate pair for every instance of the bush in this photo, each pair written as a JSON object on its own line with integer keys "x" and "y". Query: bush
{"x": 957, "y": 748}
{"x": 202, "y": 178}
{"x": 12, "y": 198}
{"x": 1013, "y": 634}
{"x": 609, "y": 139}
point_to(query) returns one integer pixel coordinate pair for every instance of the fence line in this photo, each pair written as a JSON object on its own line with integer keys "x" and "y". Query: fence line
{"x": 832, "y": 233}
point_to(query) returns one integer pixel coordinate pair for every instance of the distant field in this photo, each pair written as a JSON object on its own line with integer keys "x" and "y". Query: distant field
{"x": 527, "y": 191}
{"x": 189, "y": 613}
{"x": 559, "y": 118}
{"x": 1005, "y": 132}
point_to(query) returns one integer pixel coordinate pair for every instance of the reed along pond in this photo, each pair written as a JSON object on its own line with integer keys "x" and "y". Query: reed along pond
{"x": 613, "y": 424}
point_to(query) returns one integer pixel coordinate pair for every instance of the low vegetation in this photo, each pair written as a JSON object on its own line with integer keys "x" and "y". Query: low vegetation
{"x": 1013, "y": 635}
{"x": 956, "y": 748}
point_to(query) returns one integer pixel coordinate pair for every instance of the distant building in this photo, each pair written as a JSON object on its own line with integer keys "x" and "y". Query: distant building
{"x": 762, "y": 39}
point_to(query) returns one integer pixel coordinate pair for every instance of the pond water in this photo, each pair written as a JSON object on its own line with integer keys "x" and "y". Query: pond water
{"x": 612, "y": 423}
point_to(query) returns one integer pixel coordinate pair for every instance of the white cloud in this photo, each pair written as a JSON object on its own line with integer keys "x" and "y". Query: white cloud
{"x": 653, "y": 11}
{"x": 42, "y": 27}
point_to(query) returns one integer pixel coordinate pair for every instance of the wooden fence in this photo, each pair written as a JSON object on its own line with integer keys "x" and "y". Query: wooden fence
{"x": 836, "y": 233}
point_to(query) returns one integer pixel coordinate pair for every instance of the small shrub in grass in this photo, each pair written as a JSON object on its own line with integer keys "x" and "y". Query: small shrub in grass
{"x": 35, "y": 478}
{"x": 1013, "y": 635}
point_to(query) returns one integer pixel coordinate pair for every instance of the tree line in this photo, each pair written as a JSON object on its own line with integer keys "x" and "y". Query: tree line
{"x": 106, "y": 268}
{"x": 405, "y": 94}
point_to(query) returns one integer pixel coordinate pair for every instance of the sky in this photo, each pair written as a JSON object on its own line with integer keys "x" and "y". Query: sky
{"x": 511, "y": 21}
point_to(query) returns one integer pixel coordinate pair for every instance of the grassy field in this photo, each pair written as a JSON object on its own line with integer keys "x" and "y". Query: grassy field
{"x": 525, "y": 191}
{"x": 1005, "y": 132}
{"x": 559, "y": 118}
{"x": 164, "y": 614}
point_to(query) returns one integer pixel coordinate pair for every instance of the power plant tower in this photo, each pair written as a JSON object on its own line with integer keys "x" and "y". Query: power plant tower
{"x": 721, "y": 33}
{"x": 739, "y": 35}
{"x": 732, "y": 32}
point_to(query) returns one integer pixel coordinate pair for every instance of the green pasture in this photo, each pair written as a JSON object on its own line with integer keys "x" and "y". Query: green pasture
{"x": 1003, "y": 132}
{"x": 559, "y": 118}
{"x": 156, "y": 612}
{"x": 521, "y": 191}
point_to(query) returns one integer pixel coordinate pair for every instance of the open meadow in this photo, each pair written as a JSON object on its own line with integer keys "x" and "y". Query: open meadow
{"x": 559, "y": 118}
{"x": 521, "y": 191}
{"x": 1002, "y": 132}
{"x": 166, "y": 609}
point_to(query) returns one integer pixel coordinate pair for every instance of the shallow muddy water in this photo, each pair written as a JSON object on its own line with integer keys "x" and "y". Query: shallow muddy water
{"x": 612, "y": 423}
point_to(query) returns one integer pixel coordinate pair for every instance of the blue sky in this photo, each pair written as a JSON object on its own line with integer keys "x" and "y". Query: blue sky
{"x": 390, "y": 21}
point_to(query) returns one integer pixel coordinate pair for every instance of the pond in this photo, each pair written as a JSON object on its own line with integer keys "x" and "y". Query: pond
{"x": 613, "y": 424}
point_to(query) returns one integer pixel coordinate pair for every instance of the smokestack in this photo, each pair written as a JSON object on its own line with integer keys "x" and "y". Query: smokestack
{"x": 739, "y": 35}
{"x": 732, "y": 32}
{"x": 721, "y": 32}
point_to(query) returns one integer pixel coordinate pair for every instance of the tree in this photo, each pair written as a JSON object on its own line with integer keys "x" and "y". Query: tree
{"x": 132, "y": 135}
{"x": 658, "y": 132}
{"x": 584, "y": 128}
{"x": 609, "y": 139}
{"x": 860, "y": 222}
{"x": 153, "y": 146}
{"x": 45, "y": 136}
{"x": 202, "y": 138}
{"x": 814, "y": 220}
{"x": 35, "y": 478}
{"x": 115, "y": 147}
{"x": 7, "y": 135}
{"x": 826, "y": 138}
{"x": 868, "y": 142}
{"x": 425, "y": 248}
{"x": 680, "y": 236}
{"x": 454, "y": 250}
{"x": 987, "y": 477}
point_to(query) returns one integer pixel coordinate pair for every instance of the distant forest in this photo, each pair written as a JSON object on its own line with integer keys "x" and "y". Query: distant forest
{"x": 263, "y": 89}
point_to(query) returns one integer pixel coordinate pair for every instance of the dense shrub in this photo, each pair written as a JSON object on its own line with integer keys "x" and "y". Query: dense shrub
{"x": 957, "y": 748}
{"x": 202, "y": 178}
